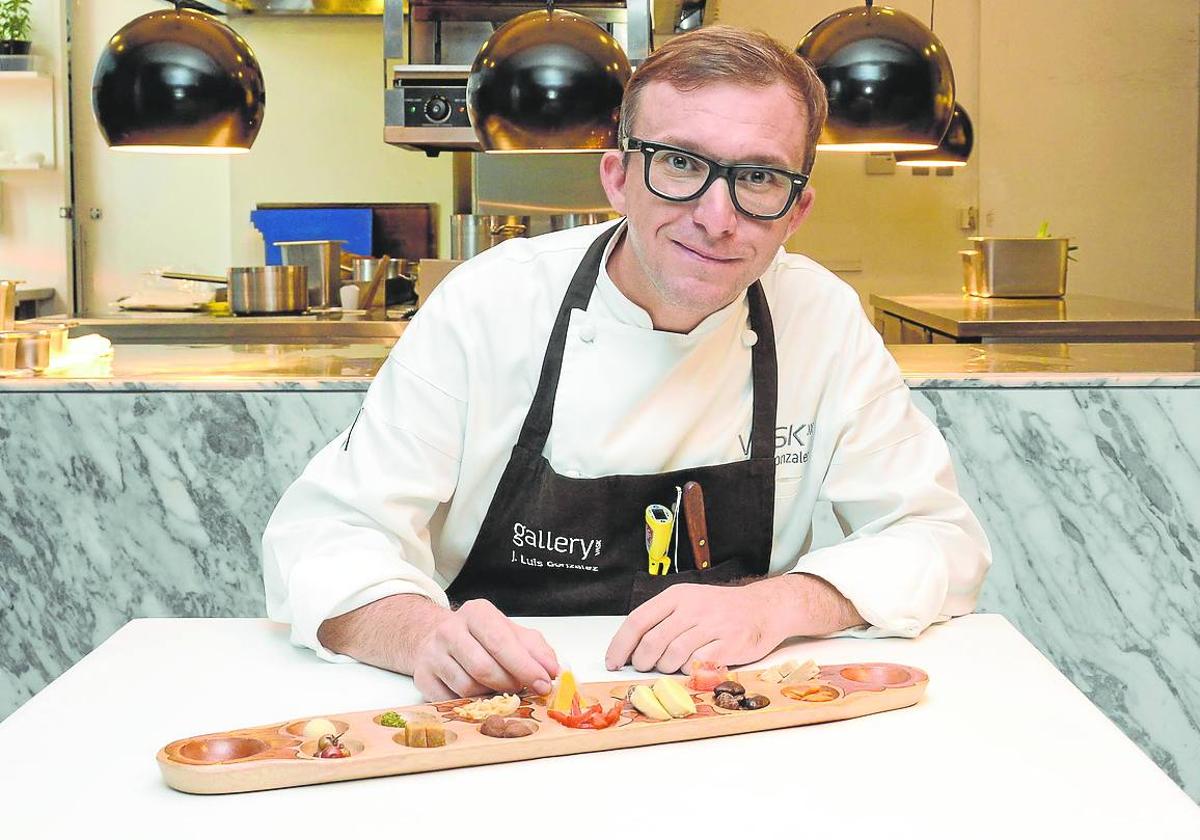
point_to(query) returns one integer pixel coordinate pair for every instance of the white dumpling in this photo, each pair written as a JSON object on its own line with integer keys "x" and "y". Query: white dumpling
{"x": 317, "y": 727}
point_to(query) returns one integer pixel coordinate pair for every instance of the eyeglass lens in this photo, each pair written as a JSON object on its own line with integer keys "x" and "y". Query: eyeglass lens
{"x": 764, "y": 192}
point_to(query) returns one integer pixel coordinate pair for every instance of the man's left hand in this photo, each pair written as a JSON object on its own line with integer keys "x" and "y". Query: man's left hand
{"x": 732, "y": 625}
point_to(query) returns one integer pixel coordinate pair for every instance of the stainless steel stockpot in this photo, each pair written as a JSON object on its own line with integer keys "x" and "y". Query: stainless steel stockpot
{"x": 562, "y": 221}
{"x": 8, "y": 304}
{"x": 33, "y": 350}
{"x": 268, "y": 290}
{"x": 470, "y": 234}
{"x": 8, "y": 350}
{"x": 364, "y": 269}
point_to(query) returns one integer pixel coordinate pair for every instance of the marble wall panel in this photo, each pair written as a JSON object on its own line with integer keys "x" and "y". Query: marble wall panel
{"x": 1091, "y": 500}
{"x": 122, "y": 504}
{"x": 118, "y": 505}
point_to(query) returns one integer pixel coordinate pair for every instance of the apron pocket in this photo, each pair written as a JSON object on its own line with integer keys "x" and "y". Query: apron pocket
{"x": 646, "y": 586}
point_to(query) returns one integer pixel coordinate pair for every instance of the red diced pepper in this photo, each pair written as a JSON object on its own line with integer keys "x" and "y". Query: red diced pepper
{"x": 614, "y": 714}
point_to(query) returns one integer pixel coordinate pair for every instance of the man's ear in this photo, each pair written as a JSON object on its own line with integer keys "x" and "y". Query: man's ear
{"x": 612, "y": 177}
{"x": 800, "y": 212}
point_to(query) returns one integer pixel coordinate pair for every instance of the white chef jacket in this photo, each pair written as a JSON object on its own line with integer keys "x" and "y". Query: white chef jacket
{"x": 393, "y": 504}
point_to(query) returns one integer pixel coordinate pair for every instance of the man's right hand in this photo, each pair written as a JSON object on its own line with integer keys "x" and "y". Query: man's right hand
{"x": 477, "y": 649}
{"x": 473, "y": 650}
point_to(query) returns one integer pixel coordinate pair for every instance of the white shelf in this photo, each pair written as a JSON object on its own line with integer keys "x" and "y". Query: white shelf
{"x": 28, "y": 117}
{"x": 21, "y": 67}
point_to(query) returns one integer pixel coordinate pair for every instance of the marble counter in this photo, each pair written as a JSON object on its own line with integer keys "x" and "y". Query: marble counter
{"x": 351, "y": 365}
{"x": 347, "y": 366}
{"x": 140, "y": 488}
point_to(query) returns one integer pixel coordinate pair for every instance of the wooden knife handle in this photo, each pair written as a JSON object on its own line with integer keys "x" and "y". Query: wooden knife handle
{"x": 697, "y": 524}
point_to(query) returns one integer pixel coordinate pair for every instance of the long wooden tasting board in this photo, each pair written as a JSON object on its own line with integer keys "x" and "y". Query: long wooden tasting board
{"x": 278, "y": 756}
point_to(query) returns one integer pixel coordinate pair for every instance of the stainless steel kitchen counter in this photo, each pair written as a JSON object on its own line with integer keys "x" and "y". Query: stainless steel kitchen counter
{"x": 1169, "y": 364}
{"x": 330, "y": 366}
{"x": 184, "y": 328}
{"x": 350, "y": 366}
{"x": 1076, "y": 317}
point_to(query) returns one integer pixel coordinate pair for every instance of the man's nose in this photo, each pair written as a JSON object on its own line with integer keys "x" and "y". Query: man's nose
{"x": 714, "y": 210}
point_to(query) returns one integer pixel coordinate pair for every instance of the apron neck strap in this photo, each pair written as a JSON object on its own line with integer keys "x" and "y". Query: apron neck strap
{"x": 764, "y": 371}
{"x": 763, "y": 365}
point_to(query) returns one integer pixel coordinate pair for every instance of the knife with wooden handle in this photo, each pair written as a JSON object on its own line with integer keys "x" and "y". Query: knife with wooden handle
{"x": 697, "y": 524}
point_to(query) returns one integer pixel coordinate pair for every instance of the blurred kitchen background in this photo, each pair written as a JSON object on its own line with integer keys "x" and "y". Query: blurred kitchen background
{"x": 1085, "y": 116}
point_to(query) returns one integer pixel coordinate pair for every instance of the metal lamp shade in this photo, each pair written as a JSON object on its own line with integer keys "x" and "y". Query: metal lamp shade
{"x": 888, "y": 79}
{"x": 178, "y": 80}
{"x": 954, "y": 149}
{"x": 549, "y": 81}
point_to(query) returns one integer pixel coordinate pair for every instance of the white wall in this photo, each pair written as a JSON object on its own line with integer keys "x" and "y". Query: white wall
{"x": 1089, "y": 120}
{"x": 321, "y": 141}
{"x": 901, "y": 229}
{"x": 322, "y": 137}
{"x": 158, "y": 211}
{"x": 34, "y": 241}
{"x": 1084, "y": 116}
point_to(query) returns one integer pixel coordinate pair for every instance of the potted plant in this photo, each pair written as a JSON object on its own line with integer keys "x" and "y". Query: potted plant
{"x": 14, "y": 27}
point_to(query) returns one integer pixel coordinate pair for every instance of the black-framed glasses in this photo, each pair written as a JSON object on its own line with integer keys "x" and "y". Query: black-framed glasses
{"x": 760, "y": 192}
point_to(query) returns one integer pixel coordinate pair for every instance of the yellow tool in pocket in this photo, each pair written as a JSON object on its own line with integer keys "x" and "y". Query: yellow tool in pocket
{"x": 660, "y": 523}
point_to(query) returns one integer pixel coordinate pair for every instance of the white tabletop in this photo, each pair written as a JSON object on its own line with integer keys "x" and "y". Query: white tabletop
{"x": 1002, "y": 745}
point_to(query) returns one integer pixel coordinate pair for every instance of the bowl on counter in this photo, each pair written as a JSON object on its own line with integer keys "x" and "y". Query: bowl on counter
{"x": 8, "y": 350}
{"x": 268, "y": 290}
{"x": 33, "y": 349}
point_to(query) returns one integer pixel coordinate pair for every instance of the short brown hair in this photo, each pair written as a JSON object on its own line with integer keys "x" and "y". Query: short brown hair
{"x": 715, "y": 54}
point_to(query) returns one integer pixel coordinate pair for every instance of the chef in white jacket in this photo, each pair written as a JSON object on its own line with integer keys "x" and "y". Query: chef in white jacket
{"x": 553, "y": 388}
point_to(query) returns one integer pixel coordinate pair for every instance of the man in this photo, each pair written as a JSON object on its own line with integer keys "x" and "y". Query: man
{"x": 555, "y": 387}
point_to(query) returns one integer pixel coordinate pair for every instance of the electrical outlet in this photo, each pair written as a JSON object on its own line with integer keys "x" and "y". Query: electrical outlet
{"x": 881, "y": 163}
{"x": 968, "y": 218}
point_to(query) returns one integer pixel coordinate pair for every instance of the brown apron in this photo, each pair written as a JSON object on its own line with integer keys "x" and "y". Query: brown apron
{"x": 554, "y": 545}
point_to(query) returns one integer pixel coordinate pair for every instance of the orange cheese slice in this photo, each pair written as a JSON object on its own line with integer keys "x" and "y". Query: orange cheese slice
{"x": 564, "y": 692}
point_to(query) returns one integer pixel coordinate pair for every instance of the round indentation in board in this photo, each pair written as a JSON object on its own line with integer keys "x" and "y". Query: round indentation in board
{"x": 221, "y": 749}
{"x": 877, "y": 674}
{"x": 401, "y": 738}
{"x": 510, "y": 728}
{"x": 743, "y": 708}
{"x": 811, "y": 692}
{"x": 309, "y": 749}
{"x": 376, "y": 720}
{"x": 297, "y": 728}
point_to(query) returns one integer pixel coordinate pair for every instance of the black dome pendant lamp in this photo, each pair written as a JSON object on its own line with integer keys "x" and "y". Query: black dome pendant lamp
{"x": 547, "y": 81}
{"x": 178, "y": 80}
{"x": 954, "y": 149}
{"x": 888, "y": 78}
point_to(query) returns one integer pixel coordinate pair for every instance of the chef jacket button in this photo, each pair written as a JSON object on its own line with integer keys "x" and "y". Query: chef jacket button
{"x": 587, "y": 333}
{"x": 749, "y": 338}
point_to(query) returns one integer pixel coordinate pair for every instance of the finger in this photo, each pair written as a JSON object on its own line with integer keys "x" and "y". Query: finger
{"x": 635, "y": 625}
{"x": 711, "y": 652}
{"x": 458, "y": 680}
{"x": 478, "y": 662}
{"x": 655, "y": 641}
{"x": 540, "y": 649}
{"x": 497, "y": 635}
{"x": 685, "y": 648}
{"x": 432, "y": 689}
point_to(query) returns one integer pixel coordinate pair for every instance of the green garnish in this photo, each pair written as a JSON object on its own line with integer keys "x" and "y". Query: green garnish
{"x": 392, "y": 719}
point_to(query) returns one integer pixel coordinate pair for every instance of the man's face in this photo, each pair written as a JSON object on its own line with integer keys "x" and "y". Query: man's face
{"x": 682, "y": 261}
